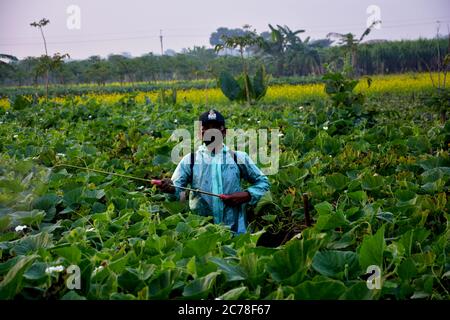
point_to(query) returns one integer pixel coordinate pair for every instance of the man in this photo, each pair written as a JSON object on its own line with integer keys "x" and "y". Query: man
{"x": 215, "y": 168}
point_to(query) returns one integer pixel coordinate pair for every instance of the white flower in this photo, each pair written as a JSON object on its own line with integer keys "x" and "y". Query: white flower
{"x": 300, "y": 108}
{"x": 1, "y": 122}
{"x": 42, "y": 110}
{"x": 20, "y": 228}
{"x": 54, "y": 269}
{"x": 175, "y": 121}
{"x": 280, "y": 134}
{"x": 15, "y": 136}
{"x": 140, "y": 188}
{"x": 325, "y": 127}
{"x": 90, "y": 229}
{"x": 259, "y": 121}
{"x": 98, "y": 269}
{"x": 249, "y": 119}
{"x": 60, "y": 154}
{"x": 90, "y": 117}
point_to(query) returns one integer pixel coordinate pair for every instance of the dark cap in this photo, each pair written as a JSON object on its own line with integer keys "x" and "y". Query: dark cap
{"x": 212, "y": 116}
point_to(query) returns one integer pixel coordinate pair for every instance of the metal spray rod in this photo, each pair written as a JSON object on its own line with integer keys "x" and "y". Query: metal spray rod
{"x": 152, "y": 181}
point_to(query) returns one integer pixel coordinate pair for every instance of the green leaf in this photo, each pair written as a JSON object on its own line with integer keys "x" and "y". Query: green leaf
{"x": 30, "y": 218}
{"x": 232, "y": 272}
{"x": 36, "y": 271}
{"x": 73, "y": 196}
{"x": 288, "y": 201}
{"x": 360, "y": 196}
{"x": 331, "y": 221}
{"x": 233, "y": 294}
{"x": 372, "y": 249}
{"x": 204, "y": 244}
{"x": 7, "y": 265}
{"x": 200, "y": 287}
{"x": 269, "y": 217}
{"x": 372, "y": 182}
{"x": 12, "y": 282}
{"x": 407, "y": 269}
{"x": 129, "y": 280}
{"x": 320, "y": 290}
{"x": 5, "y": 223}
{"x": 289, "y": 265}
{"x": 337, "y": 181}
{"x": 260, "y": 83}
{"x": 336, "y": 264}
{"x": 433, "y": 187}
{"x": 358, "y": 291}
{"x": 161, "y": 286}
{"x": 405, "y": 198}
{"x": 11, "y": 186}
{"x": 31, "y": 243}
{"x": 46, "y": 202}
{"x": 324, "y": 208}
{"x": 71, "y": 254}
{"x": 72, "y": 295}
{"x": 419, "y": 143}
{"x": 229, "y": 86}
{"x": 174, "y": 207}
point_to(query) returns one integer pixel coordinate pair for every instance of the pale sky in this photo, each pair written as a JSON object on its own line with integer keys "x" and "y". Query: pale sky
{"x": 108, "y": 26}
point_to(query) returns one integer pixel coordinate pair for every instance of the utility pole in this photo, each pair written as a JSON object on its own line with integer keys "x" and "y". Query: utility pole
{"x": 161, "y": 40}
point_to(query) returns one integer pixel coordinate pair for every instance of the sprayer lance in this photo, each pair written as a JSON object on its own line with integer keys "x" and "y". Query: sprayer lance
{"x": 152, "y": 181}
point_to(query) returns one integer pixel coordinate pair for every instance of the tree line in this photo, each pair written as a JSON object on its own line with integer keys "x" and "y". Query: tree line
{"x": 281, "y": 50}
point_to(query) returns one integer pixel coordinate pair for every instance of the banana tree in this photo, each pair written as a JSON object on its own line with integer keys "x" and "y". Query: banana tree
{"x": 244, "y": 88}
{"x": 282, "y": 43}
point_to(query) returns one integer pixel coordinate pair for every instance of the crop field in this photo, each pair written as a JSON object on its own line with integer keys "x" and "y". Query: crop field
{"x": 376, "y": 184}
{"x": 204, "y": 92}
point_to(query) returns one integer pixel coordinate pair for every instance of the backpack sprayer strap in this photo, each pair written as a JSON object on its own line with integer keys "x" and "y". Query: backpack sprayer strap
{"x": 191, "y": 165}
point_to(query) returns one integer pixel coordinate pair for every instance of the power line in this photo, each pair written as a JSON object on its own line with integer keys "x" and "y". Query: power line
{"x": 319, "y": 28}
{"x": 104, "y": 40}
{"x": 184, "y": 36}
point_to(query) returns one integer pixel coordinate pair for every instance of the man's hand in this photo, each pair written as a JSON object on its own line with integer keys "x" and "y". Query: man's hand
{"x": 237, "y": 198}
{"x": 166, "y": 186}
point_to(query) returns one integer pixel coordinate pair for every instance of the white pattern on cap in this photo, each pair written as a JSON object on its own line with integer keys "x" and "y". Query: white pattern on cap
{"x": 212, "y": 115}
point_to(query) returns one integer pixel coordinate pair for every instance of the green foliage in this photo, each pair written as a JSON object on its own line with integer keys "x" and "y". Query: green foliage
{"x": 378, "y": 196}
{"x": 235, "y": 89}
{"x": 20, "y": 102}
{"x": 167, "y": 97}
{"x": 340, "y": 89}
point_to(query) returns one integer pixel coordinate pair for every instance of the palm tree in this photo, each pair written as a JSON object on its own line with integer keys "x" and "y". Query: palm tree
{"x": 42, "y": 23}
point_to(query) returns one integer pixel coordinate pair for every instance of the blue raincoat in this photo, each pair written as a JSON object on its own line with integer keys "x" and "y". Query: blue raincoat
{"x": 220, "y": 174}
